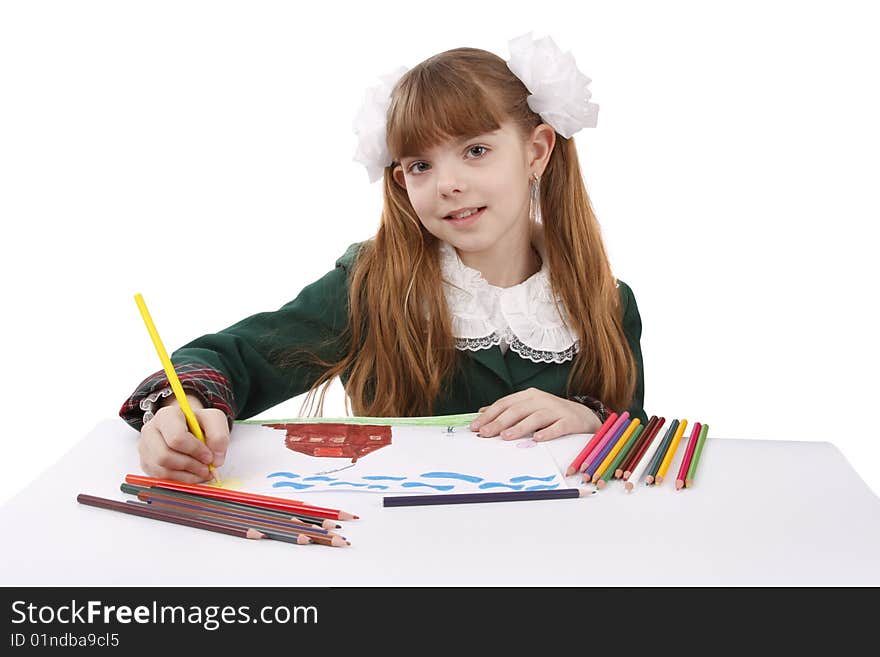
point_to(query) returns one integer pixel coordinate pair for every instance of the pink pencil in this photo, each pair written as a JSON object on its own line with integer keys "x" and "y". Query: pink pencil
{"x": 688, "y": 455}
{"x": 601, "y": 444}
{"x": 581, "y": 457}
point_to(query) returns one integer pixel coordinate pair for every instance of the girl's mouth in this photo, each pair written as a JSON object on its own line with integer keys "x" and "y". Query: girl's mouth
{"x": 467, "y": 220}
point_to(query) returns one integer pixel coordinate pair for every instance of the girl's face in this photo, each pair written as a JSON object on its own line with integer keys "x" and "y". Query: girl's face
{"x": 488, "y": 172}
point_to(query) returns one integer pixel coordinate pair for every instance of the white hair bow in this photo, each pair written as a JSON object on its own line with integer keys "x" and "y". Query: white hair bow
{"x": 559, "y": 93}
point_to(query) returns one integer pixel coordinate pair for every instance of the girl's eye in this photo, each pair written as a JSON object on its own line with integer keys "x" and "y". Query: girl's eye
{"x": 481, "y": 150}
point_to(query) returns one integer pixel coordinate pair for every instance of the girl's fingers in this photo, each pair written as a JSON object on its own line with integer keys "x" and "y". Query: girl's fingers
{"x": 549, "y": 433}
{"x": 508, "y": 418}
{"x": 532, "y": 422}
{"x": 216, "y": 429}
{"x": 175, "y": 461}
{"x": 172, "y": 425}
{"x": 177, "y": 475}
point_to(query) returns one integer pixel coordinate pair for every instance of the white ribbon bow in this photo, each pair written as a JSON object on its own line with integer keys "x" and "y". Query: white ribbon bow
{"x": 559, "y": 93}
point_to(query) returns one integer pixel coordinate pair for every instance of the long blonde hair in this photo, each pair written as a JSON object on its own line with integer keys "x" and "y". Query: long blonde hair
{"x": 401, "y": 353}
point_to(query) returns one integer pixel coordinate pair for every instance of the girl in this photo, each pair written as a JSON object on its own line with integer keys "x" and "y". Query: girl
{"x": 486, "y": 286}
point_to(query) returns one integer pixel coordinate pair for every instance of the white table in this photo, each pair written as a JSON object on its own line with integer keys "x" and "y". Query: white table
{"x": 761, "y": 513}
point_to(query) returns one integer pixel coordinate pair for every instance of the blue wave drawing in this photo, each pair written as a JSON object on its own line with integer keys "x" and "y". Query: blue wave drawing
{"x": 383, "y": 478}
{"x": 453, "y": 475}
{"x": 516, "y": 480}
{"x": 379, "y": 486}
{"x": 347, "y": 483}
{"x": 282, "y": 474}
{"x": 543, "y": 487}
{"x": 414, "y": 484}
{"x": 320, "y": 479}
{"x": 498, "y": 484}
{"x": 291, "y": 484}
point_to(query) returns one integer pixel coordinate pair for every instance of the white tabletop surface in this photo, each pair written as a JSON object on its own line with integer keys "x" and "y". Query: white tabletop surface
{"x": 762, "y": 512}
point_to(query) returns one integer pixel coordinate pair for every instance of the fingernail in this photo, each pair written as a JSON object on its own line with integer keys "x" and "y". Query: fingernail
{"x": 219, "y": 458}
{"x": 206, "y": 457}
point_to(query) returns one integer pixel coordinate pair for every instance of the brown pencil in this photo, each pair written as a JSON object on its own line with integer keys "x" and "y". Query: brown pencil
{"x": 131, "y": 489}
{"x": 154, "y": 514}
{"x": 301, "y": 539}
{"x": 263, "y": 527}
{"x": 643, "y": 440}
{"x": 223, "y": 514}
{"x": 643, "y": 448}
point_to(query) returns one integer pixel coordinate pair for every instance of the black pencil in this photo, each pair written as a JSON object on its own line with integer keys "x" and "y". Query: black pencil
{"x": 470, "y": 498}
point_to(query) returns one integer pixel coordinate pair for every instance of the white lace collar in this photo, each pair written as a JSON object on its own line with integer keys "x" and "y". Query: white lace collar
{"x": 527, "y": 316}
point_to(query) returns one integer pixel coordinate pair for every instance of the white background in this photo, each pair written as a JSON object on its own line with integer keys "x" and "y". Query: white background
{"x": 201, "y": 154}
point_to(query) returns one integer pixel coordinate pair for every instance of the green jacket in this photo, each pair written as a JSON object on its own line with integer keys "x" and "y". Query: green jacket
{"x": 253, "y": 384}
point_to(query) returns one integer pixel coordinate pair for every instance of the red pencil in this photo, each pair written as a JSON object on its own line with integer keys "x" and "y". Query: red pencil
{"x": 265, "y": 501}
{"x": 631, "y": 466}
{"x": 644, "y": 437}
{"x": 688, "y": 454}
{"x": 579, "y": 459}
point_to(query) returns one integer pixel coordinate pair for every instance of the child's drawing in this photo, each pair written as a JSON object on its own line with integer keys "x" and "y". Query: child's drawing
{"x": 292, "y": 458}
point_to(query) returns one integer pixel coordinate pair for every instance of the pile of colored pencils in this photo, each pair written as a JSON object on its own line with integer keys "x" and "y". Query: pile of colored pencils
{"x": 624, "y": 449}
{"x": 247, "y": 515}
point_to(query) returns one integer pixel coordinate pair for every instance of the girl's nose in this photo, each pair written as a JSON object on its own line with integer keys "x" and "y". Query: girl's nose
{"x": 450, "y": 182}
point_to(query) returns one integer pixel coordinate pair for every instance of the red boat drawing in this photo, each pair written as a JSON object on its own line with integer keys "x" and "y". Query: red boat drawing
{"x": 352, "y": 441}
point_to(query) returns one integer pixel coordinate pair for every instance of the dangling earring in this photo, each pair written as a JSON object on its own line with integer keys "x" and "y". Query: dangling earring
{"x": 535, "y": 198}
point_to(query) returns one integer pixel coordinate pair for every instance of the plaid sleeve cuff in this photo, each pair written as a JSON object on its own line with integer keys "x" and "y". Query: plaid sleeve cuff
{"x": 209, "y": 385}
{"x": 594, "y": 405}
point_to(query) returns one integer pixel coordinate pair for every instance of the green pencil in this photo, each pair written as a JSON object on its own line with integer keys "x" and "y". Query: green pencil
{"x": 692, "y": 469}
{"x": 609, "y": 471}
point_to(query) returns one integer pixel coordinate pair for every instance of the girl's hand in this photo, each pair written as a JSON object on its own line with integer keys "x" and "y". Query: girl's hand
{"x": 533, "y": 410}
{"x": 169, "y": 451}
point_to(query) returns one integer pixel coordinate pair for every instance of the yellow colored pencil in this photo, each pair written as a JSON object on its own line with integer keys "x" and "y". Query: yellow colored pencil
{"x": 597, "y": 475}
{"x": 670, "y": 453}
{"x": 179, "y": 394}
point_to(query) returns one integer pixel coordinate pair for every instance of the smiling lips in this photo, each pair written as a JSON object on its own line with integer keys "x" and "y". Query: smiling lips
{"x": 463, "y": 213}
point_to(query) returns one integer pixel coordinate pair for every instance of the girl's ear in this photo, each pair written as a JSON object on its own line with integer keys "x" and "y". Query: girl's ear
{"x": 540, "y": 147}
{"x": 397, "y": 174}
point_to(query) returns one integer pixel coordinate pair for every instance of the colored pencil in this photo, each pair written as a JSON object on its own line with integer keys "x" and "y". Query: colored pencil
{"x": 300, "y": 539}
{"x": 615, "y": 450}
{"x": 670, "y": 453}
{"x": 645, "y": 444}
{"x": 145, "y": 512}
{"x": 642, "y": 466}
{"x": 266, "y": 501}
{"x": 604, "y": 447}
{"x": 688, "y": 454}
{"x": 692, "y": 470}
{"x": 600, "y": 445}
{"x": 256, "y": 520}
{"x": 131, "y": 489}
{"x": 191, "y": 422}
{"x": 191, "y": 510}
{"x": 582, "y": 455}
{"x": 612, "y": 467}
{"x": 654, "y": 465}
{"x": 643, "y": 436}
{"x": 472, "y": 498}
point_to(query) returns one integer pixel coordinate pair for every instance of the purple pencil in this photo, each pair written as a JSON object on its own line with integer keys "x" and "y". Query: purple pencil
{"x": 622, "y": 420}
{"x": 500, "y": 496}
{"x": 596, "y": 462}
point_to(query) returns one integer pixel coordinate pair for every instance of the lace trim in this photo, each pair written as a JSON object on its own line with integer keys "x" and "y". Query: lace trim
{"x": 517, "y": 346}
{"x": 149, "y": 402}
